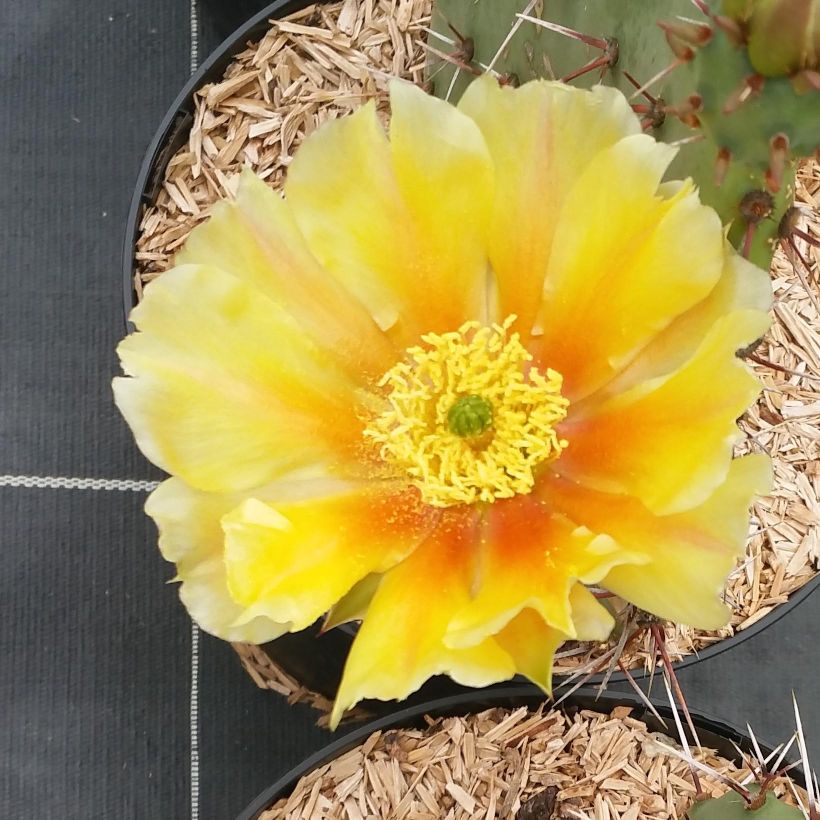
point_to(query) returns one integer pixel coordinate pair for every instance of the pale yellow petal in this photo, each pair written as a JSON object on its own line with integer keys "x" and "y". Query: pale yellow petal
{"x": 256, "y": 239}
{"x": 532, "y": 643}
{"x": 541, "y": 137}
{"x": 224, "y": 390}
{"x": 401, "y": 223}
{"x": 353, "y": 606}
{"x": 445, "y": 175}
{"x": 592, "y": 621}
{"x": 190, "y": 535}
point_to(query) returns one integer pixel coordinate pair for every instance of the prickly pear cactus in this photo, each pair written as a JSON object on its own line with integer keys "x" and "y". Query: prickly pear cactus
{"x": 732, "y": 807}
{"x": 736, "y": 86}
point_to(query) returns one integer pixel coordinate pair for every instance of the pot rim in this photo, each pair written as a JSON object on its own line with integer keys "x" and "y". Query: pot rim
{"x": 171, "y": 134}
{"x": 174, "y": 128}
{"x": 710, "y": 729}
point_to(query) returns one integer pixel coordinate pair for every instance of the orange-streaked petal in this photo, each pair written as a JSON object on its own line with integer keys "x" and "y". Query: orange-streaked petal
{"x": 401, "y": 223}
{"x": 446, "y": 178}
{"x": 400, "y": 643}
{"x": 530, "y": 556}
{"x": 353, "y": 606}
{"x": 669, "y": 441}
{"x": 190, "y": 535}
{"x": 532, "y": 643}
{"x": 541, "y": 137}
{"x": 225, "y": 390}
{"x": 628, "y": 262}
{"x": 256, "y": 239}
{"x": 292, "y": 562}
{"x": 742, "y": 286}
{"x": 689, "y": 554}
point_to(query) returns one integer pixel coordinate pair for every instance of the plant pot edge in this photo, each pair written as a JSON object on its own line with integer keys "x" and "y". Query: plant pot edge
{"x": 172, "y": 133}
{"x": 173, "y": 130}
{"x": 709, "y": 728}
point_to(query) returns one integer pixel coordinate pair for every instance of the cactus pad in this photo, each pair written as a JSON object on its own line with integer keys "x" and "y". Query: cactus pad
{"x": 732, "y": 807}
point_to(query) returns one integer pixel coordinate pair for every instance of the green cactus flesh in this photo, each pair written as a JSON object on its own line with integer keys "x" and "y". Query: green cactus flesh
{"x": 537, "y": 52}
{"x": 762, "y": 127}
{"x": 732, "y": 807}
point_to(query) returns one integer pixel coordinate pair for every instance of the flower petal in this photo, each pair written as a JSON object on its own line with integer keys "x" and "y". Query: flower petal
{"x": 689, "y": 554}
{"x": 190, "y": 534}
{"x": 531, "y": 643}
{"x": 401, "y": 223}
{"x": 399, "y": 645}
{"x": 669, "y": 441}
{"x": 353, "y": 606}
{"x": 593, "y": 622}
{"x": 628, "y": 262}
{"x": 293, "y": 561}
{"x": 742, "y": 286}
{"x": 530, "y": 557}
{"x": 226, "y": 391}
{"x": 256, "y": 239}
{"x": 541, "y": 137}
{"x": 445, "y": 174}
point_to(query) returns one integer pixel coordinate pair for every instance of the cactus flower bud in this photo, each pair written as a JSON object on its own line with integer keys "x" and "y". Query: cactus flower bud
{"x": 783, "y": 35}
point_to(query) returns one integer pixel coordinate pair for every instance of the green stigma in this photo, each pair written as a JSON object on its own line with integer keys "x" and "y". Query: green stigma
{"x": 470, "y": 416}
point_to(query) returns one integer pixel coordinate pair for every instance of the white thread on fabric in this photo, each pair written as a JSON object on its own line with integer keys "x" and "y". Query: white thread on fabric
{"x": 194, "y": 10}
{"x": 52, "y": 482}
{"x": 194, "y": 710}
{"x": 194, "y": 700}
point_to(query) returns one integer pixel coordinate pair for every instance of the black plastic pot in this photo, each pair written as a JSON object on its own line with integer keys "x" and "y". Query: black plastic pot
{"x": 713, "y": 733}
{"x": 313, "y": 659}
{"x": 173, "y": 131}
{"x": 317, "y": 659}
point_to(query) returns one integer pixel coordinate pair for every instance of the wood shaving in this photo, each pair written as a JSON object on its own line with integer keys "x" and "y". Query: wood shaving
{"x": 489, "y": 765}
{"x": 266, "y": 674}
{"x": 325, "y": 61}
{"x": 315, "y": 65}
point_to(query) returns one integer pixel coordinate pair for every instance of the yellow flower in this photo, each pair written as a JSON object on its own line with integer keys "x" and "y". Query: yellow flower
{"x": 456, "y": 375}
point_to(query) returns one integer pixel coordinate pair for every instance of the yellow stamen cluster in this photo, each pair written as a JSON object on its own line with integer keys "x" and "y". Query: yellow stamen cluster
{"x": 477, "y": 361}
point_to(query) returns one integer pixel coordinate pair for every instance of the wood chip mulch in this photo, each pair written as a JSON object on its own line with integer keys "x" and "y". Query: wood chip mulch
{"x": 328, "y": 59}
{"x": 508, "y": 765}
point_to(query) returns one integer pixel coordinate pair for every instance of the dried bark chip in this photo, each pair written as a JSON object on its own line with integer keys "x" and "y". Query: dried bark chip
{"x": 540, "y": 806}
